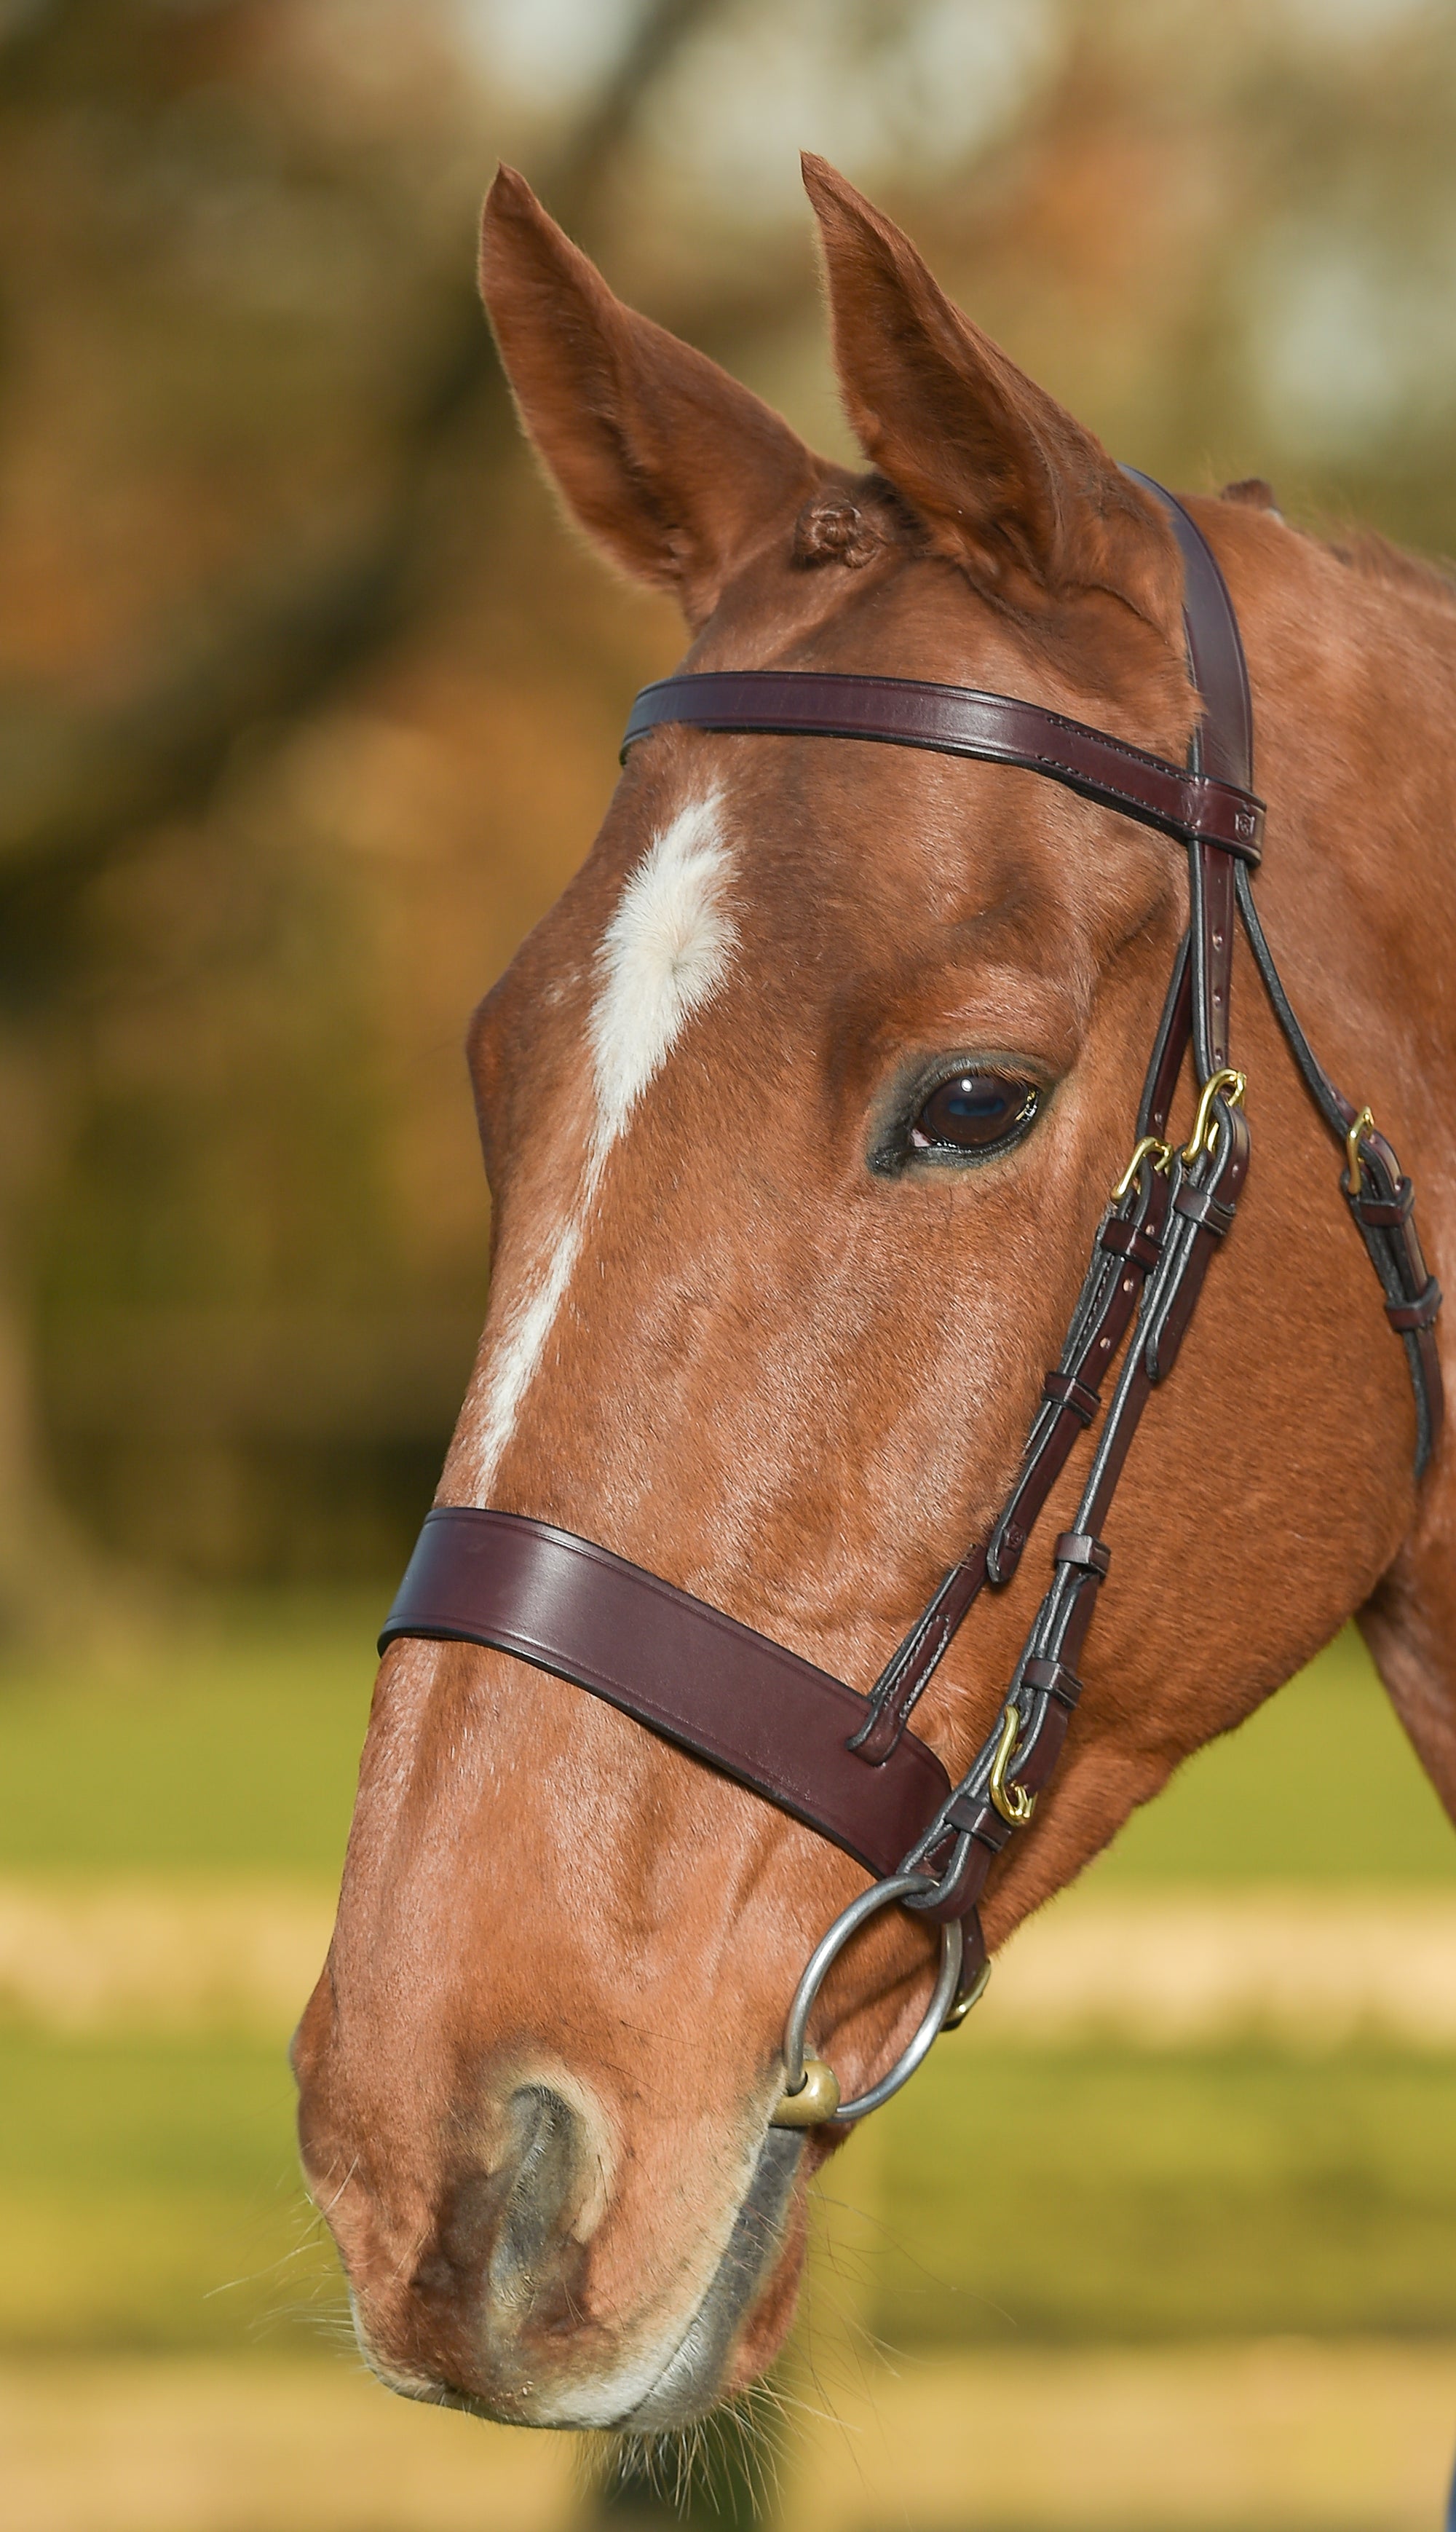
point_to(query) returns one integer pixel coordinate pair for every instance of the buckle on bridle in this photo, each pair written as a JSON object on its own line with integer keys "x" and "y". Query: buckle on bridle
{"x": 968, "y": 1998}
{"x": 1364, "y": 1124}
{"x": 1013, "y": 1802}
{"x": 1148, "y": 1146}
{"x": 1225, "y": 1084}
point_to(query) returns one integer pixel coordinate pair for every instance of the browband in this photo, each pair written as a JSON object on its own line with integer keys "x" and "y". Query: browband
{"x": 749, "y": 1707}
{"x": 960, "y": 720}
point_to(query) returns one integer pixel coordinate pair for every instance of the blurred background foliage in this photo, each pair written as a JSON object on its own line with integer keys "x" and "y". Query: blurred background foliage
{"x": 306, "y": 708}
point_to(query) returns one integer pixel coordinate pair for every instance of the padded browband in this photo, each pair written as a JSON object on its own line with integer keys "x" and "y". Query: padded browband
{"x": 746, "y": 1705}
{"x": 959, "y": 720}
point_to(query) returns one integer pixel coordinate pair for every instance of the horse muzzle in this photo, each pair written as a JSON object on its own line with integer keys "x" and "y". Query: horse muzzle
{"x": 513, "y": 2281}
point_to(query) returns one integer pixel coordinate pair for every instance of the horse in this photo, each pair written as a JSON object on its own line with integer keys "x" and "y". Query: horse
{"x": 800, "y": 1113}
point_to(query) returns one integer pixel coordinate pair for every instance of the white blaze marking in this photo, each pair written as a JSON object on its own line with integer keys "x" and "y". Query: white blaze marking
{"x": 663, "y": 954}
{"x": 514, "y": 1357}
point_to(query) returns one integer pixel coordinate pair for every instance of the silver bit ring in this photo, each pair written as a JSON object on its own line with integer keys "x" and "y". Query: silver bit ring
{"x": 807, "y": 2076}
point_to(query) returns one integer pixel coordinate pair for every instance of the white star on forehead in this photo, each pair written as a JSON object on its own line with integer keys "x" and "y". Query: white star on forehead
{"x": 662, "y": 956}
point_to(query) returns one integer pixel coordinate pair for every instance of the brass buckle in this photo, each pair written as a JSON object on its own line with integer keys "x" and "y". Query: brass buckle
{"x": 1162, "y": 1158}
{"x": 1013, "y": 1802}
{"x": 1225, "y": 1084}
{"x": 1364, "y": 1124}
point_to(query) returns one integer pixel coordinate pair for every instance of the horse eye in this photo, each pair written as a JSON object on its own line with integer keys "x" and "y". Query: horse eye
{"x": 974, "y": 1112}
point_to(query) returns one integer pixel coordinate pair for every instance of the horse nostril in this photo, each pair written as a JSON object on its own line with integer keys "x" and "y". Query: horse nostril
{"x": 544, "y": 2168}
{"x": 503, "y": 2234}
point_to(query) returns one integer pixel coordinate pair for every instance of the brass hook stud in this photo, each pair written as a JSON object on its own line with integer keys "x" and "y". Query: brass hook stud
{"x": 1161, "y": 1153}
{"x": 1364, "y": 1124}
{"x": 1223, "y": 1084}
{"x": 1013, "y": 1802}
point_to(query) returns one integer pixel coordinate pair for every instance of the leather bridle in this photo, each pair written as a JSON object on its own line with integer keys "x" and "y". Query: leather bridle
{"x": 847, "y": 1764}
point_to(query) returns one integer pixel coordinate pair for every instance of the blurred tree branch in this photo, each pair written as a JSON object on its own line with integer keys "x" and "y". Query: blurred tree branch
{"x": 76, "y": 782}
{"x": 85, "y": 777}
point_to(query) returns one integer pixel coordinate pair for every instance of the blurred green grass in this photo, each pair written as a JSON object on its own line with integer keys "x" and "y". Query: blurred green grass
{"x": 150, "y": 2200}
{"x": 235, "y": 1748}
{"x": 1081, "y": 2195}
{"x": 149, "y": 2191}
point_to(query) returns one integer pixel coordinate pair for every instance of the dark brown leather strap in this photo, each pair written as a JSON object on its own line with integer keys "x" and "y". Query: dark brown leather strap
{"x": 1132, "y": 1236}
{"x": 746, "y": 1705}
{"x": 1380, "y": 1203}
{"x": 1169, "y": 1048}
{"x": 961, "y": 721}
{"x": 1127, "y": 1250}
{"x": 1223, "y": 748}
{"x": 971, "y": 1829}
{"x": 1216, "y": 649}
{"x": 913, "y": 1662}
{"x": 1420, "y": 1314}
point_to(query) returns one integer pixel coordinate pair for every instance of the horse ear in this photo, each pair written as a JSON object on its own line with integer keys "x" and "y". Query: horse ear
{"x": 659, "y": 455}
{"x": 1003, "y": 480}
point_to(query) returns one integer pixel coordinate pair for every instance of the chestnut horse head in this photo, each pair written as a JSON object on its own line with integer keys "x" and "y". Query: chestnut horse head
{"x": 800, "y": 1112}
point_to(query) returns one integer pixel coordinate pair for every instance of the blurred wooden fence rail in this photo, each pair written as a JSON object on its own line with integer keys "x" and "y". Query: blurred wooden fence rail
{"x": 1302, "y": 1968}
{"x": 1280, "y": 2436}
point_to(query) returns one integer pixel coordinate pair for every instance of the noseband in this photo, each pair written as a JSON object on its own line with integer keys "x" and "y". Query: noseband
{"x": 848, "y": 1764}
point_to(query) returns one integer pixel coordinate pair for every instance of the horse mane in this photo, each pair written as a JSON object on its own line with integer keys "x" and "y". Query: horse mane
{"x": 1374, "y": 558}
{"x": 849, "y": 524}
